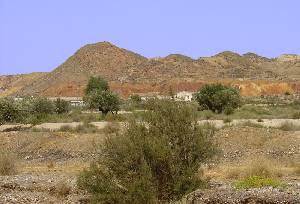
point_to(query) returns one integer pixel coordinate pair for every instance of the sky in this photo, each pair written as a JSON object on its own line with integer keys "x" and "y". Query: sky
{"x": 39, "y": 35}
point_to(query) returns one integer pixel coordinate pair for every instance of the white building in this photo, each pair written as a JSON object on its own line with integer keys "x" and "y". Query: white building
{"x": 184, "y": 96}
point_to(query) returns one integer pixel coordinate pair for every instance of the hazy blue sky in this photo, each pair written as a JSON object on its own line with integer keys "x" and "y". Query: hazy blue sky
{"x": 38, "y": 35}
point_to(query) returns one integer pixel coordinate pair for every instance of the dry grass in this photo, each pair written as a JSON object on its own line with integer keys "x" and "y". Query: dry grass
{"x": 111, "y": 128}
{"x": 61, "y": 189}
{"x": 7, "y": 164}
{"x": 261, "y": 167}
{"x": 287, "y": 126}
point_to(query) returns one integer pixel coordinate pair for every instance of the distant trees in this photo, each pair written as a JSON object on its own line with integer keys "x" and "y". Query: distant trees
{"x": 30, "y": 110}
{"x": 218, "y": 98}
{"x": 98, "y": 96}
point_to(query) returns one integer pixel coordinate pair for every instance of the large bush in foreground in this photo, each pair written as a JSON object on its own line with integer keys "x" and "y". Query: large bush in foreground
{"x": 218, "y": 98}
{"x": 154, "y": 161}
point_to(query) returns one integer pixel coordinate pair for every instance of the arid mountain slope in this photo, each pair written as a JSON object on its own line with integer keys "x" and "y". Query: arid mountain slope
{"x": 123, "y": 68}
{"x": 11, "y": 84}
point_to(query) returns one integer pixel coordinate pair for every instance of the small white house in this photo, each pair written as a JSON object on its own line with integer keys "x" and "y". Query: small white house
{"x": 184, "y": 96}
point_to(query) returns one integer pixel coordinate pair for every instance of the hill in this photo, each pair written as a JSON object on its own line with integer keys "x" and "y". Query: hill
{"x": 129, "y": 72}
{"x": 11, "y": 84}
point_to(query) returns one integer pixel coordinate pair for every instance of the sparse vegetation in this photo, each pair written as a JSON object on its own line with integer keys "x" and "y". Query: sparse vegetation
{"x": 111, "y": 128}
{"x": 261, "y": 167}
{"x": 7, "y": 164}
{"x": 288, "y": 126}
{"x": 84, "y": 128}
{"x": 147, "y": 164}
{"x": 227, "y": 120}
{"x": 61, "y": 189}
{"x": 257, "y": 182}
{"x": 296, "y": 115}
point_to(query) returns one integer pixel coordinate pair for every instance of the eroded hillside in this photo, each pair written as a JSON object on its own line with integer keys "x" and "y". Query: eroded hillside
{"x": 129, "y": 72}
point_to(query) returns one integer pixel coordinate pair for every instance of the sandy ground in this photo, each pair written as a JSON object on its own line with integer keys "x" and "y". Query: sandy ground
{"x": 274, "y": 123}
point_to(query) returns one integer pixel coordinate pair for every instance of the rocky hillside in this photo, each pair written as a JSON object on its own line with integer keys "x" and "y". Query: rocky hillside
{"x": 11, "y": 84}
{"x": 130, "y": 72}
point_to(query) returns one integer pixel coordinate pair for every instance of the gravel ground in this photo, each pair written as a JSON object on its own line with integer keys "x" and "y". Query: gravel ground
{"x": 45, "y": 188}
{"x": 70, "y": 153}
{"x": 226, "y": 194}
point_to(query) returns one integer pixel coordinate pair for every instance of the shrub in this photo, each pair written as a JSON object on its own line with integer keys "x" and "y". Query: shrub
{"x": 111, "y": 128}
{"x": 206, "y": 114}
{"x": 114, "y": 117}
{"x": 135, "y": 98}
{"x": 288, "y": 126}
{"x": 218, "y": 98}
{"x": 252, "y": 124}
{"x": 86, "y": 128}
{"x": 7, "y": 164}
{"x": 296, "y": 115}
{"x": 10, "y": 111}
{"x": 257, "y": 182}
{"x": 227, "y": 120}
{"x": 61, "y": 189}
{"x": 153, "y": 161}
{"x": 65, "y": 128}
{"x": 61, "y": 106}
{"x": 42, "y": 106}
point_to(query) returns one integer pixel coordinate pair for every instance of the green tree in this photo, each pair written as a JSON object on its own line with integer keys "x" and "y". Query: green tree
{"x": 98, "y": 96}
{"x": 218, "y": 98}
{"x": 151, "y": 162}
{"x": 104, "y": 101}
{"x": 96, "y": 83}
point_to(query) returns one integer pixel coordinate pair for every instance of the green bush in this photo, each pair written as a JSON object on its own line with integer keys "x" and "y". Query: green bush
{"x": 257, "y": 182}
{"x": 218, "y": 98}
{"x": 61, "y": 106}
{"x": 11, "y": 111}
{"x": 155, "y": 161}
{"x": 42, "y": 106}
